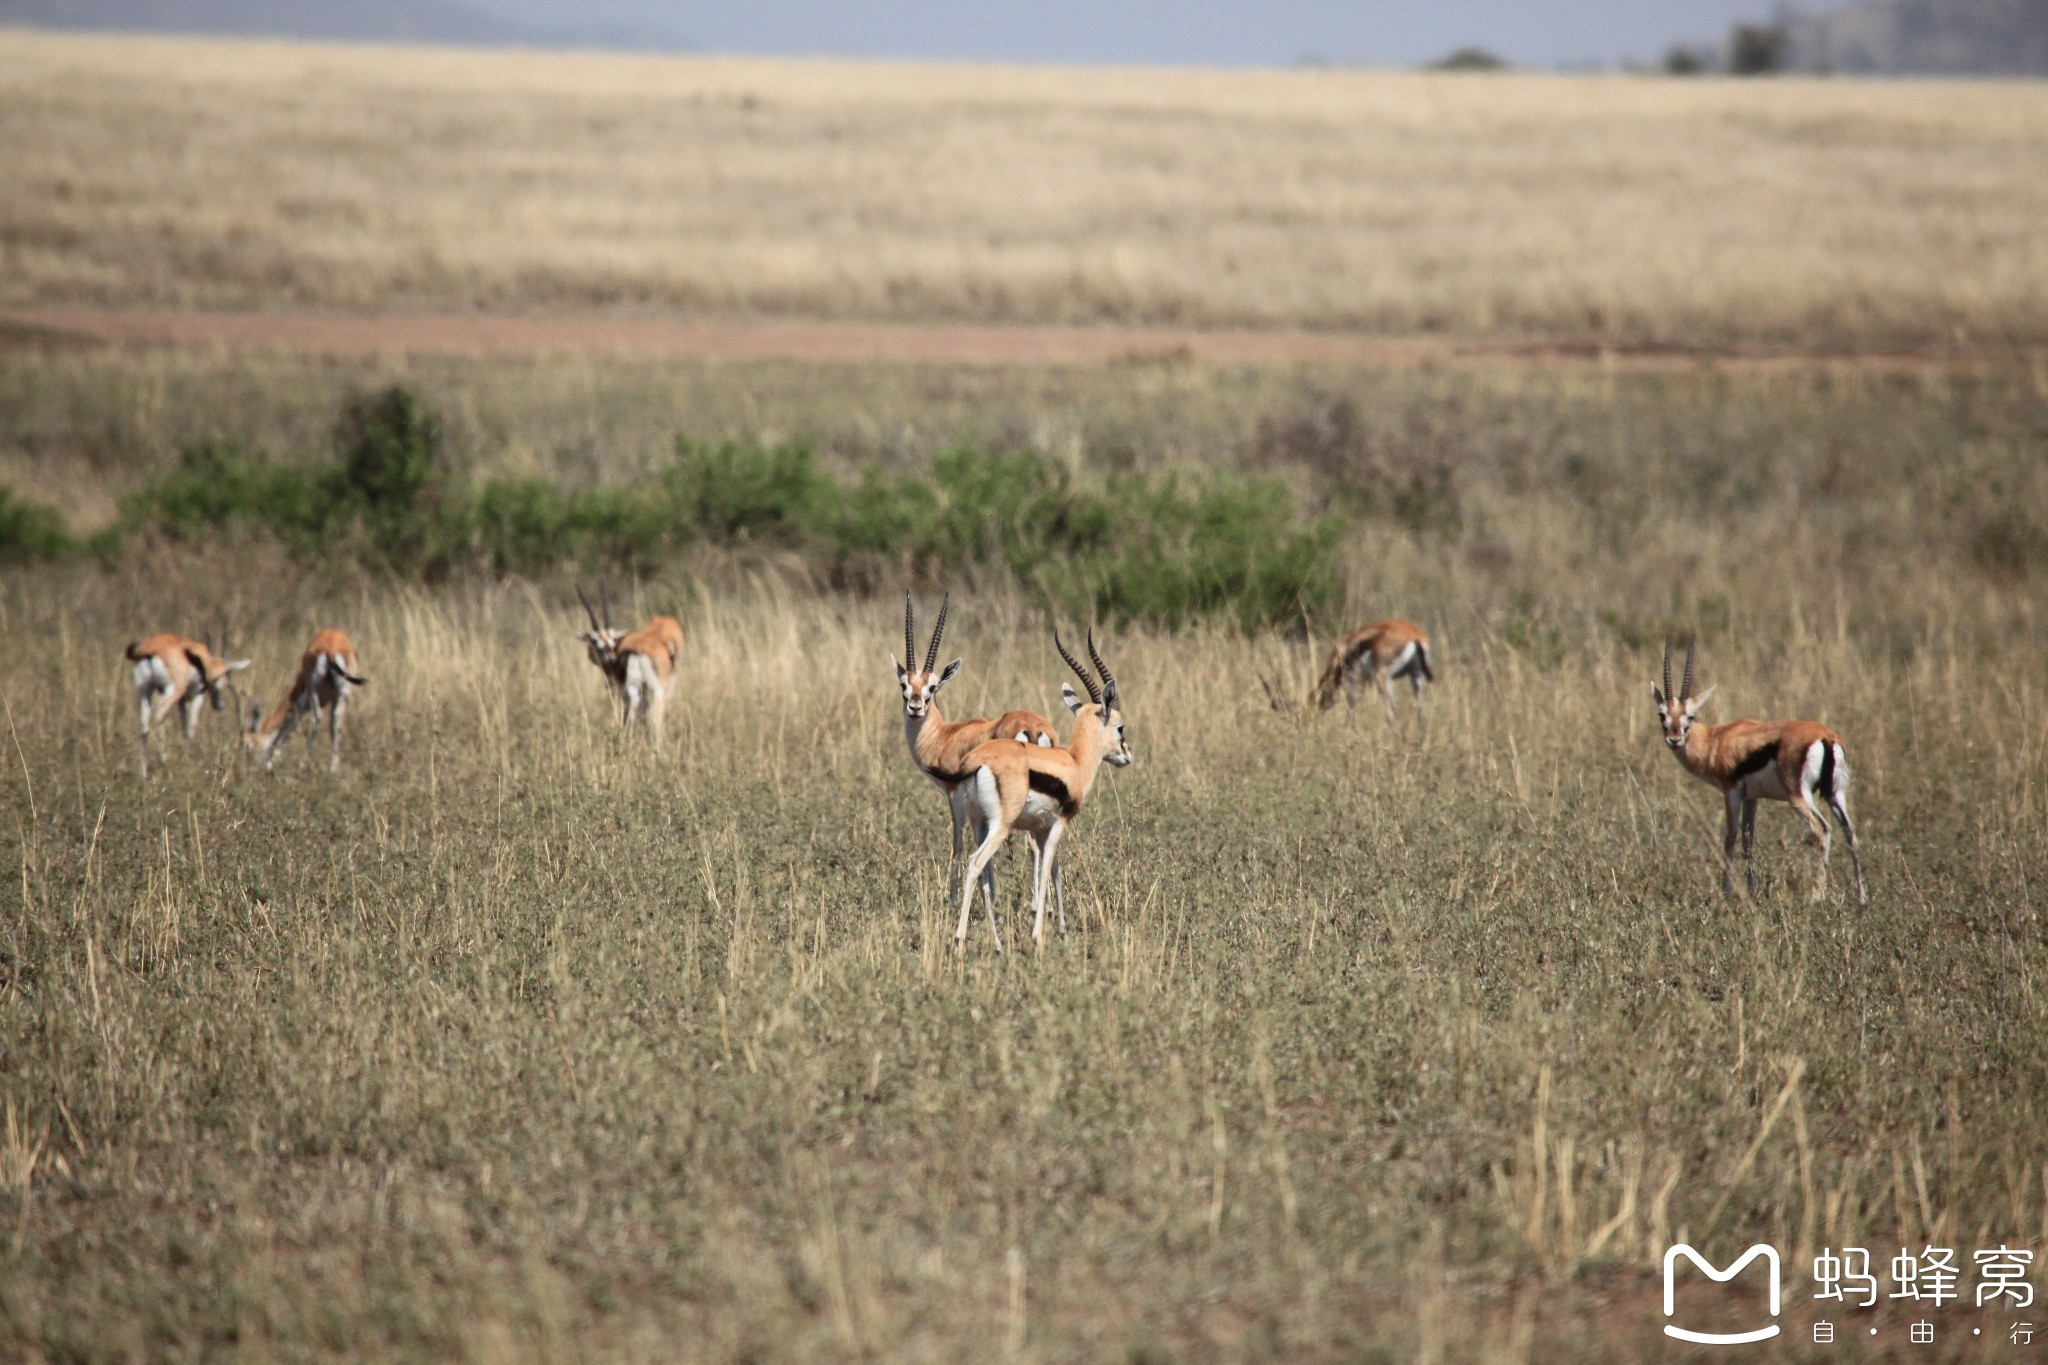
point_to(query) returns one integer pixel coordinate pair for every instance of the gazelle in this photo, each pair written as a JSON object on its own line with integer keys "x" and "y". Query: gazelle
{"x": 1748, "y": 761}
{"x": 1382, "y": 652}
{"x": 940, "y": 749}
{"x": 327, "y": 670}
{"x": 639, "y": 666}
{"x": 170, "y": 670}
{"x": 1041, "y": 790}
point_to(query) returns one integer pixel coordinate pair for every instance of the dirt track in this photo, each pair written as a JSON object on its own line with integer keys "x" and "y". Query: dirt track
{"x": 929, "y": 343}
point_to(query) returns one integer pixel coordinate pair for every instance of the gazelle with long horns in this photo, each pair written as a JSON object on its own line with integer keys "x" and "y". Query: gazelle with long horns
{"x": 327, "y": 670}
{"x": 1799, "y": 762}
{"x": 1381, "y": 653}
{"x": 170, "y": 670}
{"x": 940, "y": 748}
{"x": 1042, "y": 790}
{"x": 639, "y": 666}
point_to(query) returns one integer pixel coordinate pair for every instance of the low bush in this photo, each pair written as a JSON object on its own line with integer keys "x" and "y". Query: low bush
{"x": 30, "y": 531}
{"x": 1157, "y": 548}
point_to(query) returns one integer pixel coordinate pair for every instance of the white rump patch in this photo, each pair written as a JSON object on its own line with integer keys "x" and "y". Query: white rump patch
{"x": 1809, "y": 771}
{"x": 1403, "y": 661}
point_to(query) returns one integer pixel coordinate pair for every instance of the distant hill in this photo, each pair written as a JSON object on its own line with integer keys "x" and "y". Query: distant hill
{"x": 1923, "y": 37}
{"x": 419, "y": 21}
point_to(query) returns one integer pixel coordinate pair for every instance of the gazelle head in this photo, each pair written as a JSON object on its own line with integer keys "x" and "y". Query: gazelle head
{"x": 215, "y": 670}
{"x": 257, "y": 742}
{"x": 601, "y": 639}
{"x": 1101, "y": 696}
{"x": 1677, "y": 711}
{"x": 921, "y": 686}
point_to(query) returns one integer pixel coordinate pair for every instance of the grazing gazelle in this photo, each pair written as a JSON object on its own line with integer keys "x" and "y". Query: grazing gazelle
{"x": 938, "y": 748}
{"x": 1747, "y": 761}
{"x": 170, "y": 670}
{"x": 327, "y": 671}
{"x": 639, "y": 666}
{"x": 1041, "y": 790}
{"x": 1382, "y": 652}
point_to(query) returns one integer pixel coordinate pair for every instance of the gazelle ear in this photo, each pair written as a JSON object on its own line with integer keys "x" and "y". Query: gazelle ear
{"x": 902, "y": 675}
{"x": 1656, "y": 696}
{"x": 946, "y": 674}
{"x": 1071, "y": 698}
{"x": 238, "y": 665}
{"x": 1701, "y": 700}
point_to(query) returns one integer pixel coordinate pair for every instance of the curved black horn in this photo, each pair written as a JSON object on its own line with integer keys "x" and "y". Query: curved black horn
{"x": 1685, "y": 689}
{"x": 909, "y": 633}
{"x": 1087, "y": 681}
{"x": 931, "y": 656}
{"x": 1668, "y": 693}
{"x": 1108, "y": 678}
{"x": 589, "y": 610}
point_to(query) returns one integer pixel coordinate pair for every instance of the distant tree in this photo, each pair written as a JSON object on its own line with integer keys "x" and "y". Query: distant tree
{"x": 1757, "y": 49}
{"x": 1682, "y": 60}
{"x": 1469, "y": 59}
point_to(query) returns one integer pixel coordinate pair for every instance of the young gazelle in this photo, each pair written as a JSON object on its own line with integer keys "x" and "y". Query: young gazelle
{"x": 170, "y": 670}
{"x": 327, "y": 671}
{"x": 639, "y": 666}
{"x": 1041, "y": 790}
{"x": 1382, "y": 652}
{"x": 940, "y": 749}
{"x": 1747, "y": 761}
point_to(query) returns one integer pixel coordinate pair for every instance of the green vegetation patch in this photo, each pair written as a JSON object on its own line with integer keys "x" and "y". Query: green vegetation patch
{"x": 1162, "y": 548}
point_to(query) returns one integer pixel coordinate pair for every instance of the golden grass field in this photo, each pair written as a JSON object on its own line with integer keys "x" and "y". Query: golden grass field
{"x": 519, "y": 1041}
{"x": 197, "y": 174}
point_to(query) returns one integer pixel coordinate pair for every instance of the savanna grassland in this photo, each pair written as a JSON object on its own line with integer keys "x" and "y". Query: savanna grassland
{"x": 522, "y": 1039}
{"x": 189, "y": 174}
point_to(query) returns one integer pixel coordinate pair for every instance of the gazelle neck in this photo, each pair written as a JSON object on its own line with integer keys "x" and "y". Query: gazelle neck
{"x": 917, "y": 730}
{"x": 1089, "y": 745}
{"x": 1696, "y": 754}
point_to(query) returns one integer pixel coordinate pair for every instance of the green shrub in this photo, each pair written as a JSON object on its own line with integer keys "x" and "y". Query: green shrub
{"x": 390, "y": 449}
{"x": 738, "y": 491}
{"x": 1142, "y": 547}
{"x": 30, "y": 532}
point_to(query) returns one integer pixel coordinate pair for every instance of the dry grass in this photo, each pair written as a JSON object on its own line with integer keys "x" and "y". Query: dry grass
{"x": 210, "y": 174}
{"x": 516, "y": 1042}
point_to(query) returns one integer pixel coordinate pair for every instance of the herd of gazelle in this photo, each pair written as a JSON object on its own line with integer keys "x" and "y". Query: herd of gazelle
{"x": 170, "y": 670}
{"x": 1012, "y": 773}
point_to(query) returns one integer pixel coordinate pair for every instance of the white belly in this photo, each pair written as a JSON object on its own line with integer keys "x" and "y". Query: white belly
{"x": 1040, "y": 811}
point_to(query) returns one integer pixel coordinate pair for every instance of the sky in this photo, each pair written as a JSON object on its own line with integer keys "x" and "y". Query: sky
{"x": 1161, "y": 32}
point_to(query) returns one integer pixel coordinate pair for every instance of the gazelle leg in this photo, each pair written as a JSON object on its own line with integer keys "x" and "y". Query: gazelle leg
{"x": 987, "y": 882}
{"x": 1818, "y": 827}
{"x": 982, "y": 854}
{"x": 1728, "y": 843}
{"x": 334, "y": 732}
{"x": 1387, "y": 695}
{"x": 1749, "y": 843}
{"x": 188, "y": 710}
{"x": 956, "y": 807}
{"x": 1838, "y": 802}
{"x": 1059, "y": 893}
{"x": 1048, "y": 850}
{"x": 142, "y": 721}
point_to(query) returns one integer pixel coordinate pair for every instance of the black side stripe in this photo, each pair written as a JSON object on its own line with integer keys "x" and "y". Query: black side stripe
{"x": 1756, "y": 762}
{"x": 1048, "y": 785}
